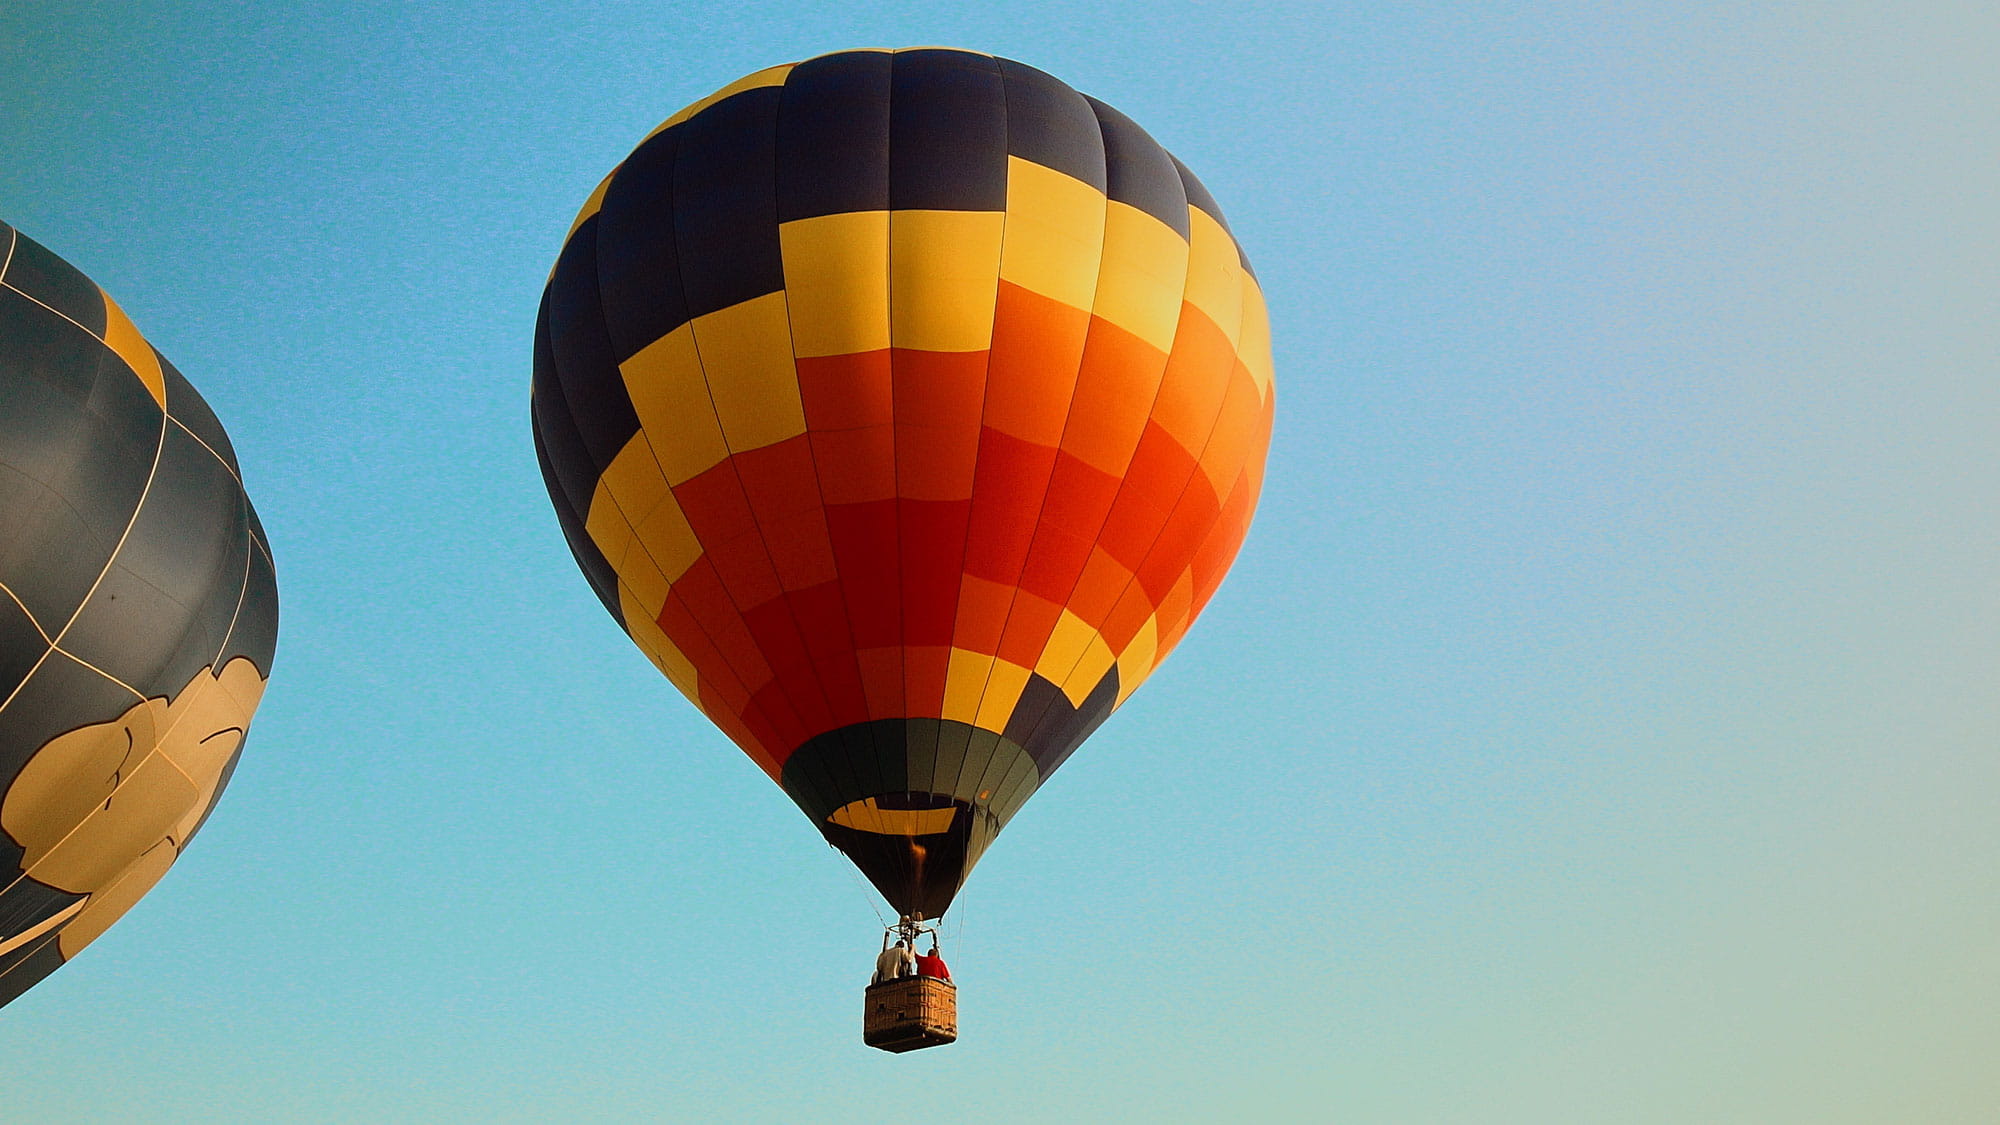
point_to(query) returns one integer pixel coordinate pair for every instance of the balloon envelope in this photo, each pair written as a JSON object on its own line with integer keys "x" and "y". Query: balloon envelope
{"x": 905, "y": 408}
{"x": 138, "y": 612}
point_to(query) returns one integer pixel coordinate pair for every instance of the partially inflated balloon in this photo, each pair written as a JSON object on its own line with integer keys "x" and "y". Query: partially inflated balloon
{"x": 905, "y": 408}
{"x": 138, "y": 612}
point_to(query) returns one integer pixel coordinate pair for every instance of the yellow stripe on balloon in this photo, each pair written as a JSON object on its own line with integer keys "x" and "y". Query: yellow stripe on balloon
{"x": 669, "y": 393}
{"x": 1215, "y": 274}
{"x": 1254, "y": 343}
{"x": 1143, "y": 275}
{"x": 769, "y": 76}
{"x": 122, "y": 337}
{"x": 1054, "y": 235}
{"x": 944, "y": 272}
{"x": 837, "y": 282}
{"x": 758, "y": 403}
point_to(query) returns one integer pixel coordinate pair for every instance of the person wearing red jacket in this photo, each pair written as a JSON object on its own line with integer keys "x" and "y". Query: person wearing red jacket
{"x": 931, "y": 965}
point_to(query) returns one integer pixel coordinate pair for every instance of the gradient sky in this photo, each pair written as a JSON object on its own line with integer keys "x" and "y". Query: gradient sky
{"x": 1602, "y": 723}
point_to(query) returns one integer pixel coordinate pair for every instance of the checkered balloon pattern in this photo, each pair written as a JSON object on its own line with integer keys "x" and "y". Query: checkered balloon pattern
{"x": 905, "y": 408}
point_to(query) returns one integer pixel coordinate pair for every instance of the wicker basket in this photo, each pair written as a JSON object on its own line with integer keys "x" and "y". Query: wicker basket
{"x": 910, "y": 1014}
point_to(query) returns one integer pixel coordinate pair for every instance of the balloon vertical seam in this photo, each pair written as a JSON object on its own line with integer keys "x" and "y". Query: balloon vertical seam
{"x": 159, "y": 447}
{"x": 812, "y": 453}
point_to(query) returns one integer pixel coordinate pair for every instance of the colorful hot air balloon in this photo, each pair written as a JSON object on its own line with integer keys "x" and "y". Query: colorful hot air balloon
{"x": 905, "y": 408}
{"x": 138, "y": 612}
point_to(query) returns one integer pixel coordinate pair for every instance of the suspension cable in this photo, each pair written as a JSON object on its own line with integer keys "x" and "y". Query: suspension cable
{"x": 867, "y": 892}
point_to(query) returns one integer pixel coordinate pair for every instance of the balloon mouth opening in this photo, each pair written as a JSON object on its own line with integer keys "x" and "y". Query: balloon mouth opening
{"x": 916, "y": 848}
{"x": 899, "y": 814}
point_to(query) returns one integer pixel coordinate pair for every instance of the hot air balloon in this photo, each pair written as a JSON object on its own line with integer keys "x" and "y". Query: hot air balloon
{"x": 904, "y": 407}
{"x": 138, "y": 612}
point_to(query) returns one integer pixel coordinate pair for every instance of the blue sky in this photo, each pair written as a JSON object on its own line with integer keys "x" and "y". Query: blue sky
{"x": 1599, "y": 725}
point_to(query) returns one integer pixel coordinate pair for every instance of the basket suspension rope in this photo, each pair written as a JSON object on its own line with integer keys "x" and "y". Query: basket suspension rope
{"x": 867, "y": 892}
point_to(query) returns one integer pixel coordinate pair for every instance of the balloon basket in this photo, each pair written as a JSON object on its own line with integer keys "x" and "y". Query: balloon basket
{"x": 910, "y": 1014}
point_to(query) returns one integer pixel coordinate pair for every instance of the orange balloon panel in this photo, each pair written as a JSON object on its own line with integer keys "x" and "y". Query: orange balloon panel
{"x": 904, "y": 408}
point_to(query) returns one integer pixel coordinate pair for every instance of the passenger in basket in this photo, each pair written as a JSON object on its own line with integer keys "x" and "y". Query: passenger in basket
{"x": 894, "y": 962}
{"x": 931, "y": 965}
